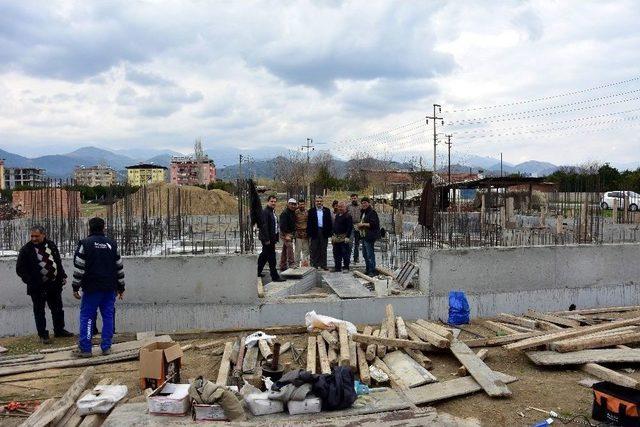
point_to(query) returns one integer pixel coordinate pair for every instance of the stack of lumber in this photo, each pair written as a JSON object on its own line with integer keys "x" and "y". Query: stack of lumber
{"x": 585, "y": 338}
{"x": 396, "y": 352}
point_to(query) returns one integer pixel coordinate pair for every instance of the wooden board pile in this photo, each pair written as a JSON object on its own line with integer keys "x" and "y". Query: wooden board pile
{"x": 394, "y": 352}
{"x": 584, "y": 338}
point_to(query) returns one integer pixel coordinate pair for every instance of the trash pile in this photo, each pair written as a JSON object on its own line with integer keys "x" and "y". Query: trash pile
{"x": 7, "y": 212}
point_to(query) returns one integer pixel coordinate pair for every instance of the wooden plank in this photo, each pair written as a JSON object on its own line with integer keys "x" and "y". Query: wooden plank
{"x": 396, "y": 382}
{"x": 408, "y": 370}
{"x": 552, "y": 358}
{"x": 428, "y": 336}
{"x": 346, "y": 286}
{"x": 516, "y": 328}
{"x": 385, "y": 271}
{"x": 260, "y": 287}
{"x": 250, "y": 360}
{"x": 368, "y": 330}
{"x": 39, "y": 412}
{"x": 302, "y": 296}
{"x": 332, "y": 352}
{"x": 423, "y": 360}
{"x": 353, "y": 355}
{"x": 482, "y": 354}
{"x": 225, "y": 364}
{"x": 390, "y": 319}
{"x": 325, "y": 368}
{"x": 210, "y": 344}
{"x": 372, "y": 347}
{"x": 496, "y": 327}
{"x": 265, "y": 350}
{"x": 58, "y": 410}
{"x": 607, "y": 374}
{"x": 599, "y": 310}
{"x": 401, "y": 328}
{"x": 345, "y": 353}
{"x": 449, "y": 389}
{"x": 548, "y": 326}
{"x": 435, "y": 328}
{"x": 364, "y": 276}
{"x": 330, "y": 339}
{"x": 363, "y": 367}
{"x": 311, "y": 354}
{"x": 558, "y": 320}
{"x": 389, "y": 342}
{"x": 516, "y": 320}
{"x": 595, "y": 342}
{"x": 568, "y": 333}
{"x": 491, "y": 384}
{"x": 381, "y": 349}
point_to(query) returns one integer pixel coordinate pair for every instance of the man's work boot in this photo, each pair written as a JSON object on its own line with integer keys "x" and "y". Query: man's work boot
{"x": 45, "y": 340}
{"x": 81, "y": 354}
{"x": 278, "y": 279}
{"x": 62, "y": 334}
{"x": 106, "y": 352}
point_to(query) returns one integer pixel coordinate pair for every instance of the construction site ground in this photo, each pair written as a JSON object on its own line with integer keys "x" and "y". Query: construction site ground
{"x": 546, "y": 388}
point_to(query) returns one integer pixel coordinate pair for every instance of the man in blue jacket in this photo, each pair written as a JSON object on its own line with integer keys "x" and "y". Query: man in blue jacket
{"x": 100, "y": 274}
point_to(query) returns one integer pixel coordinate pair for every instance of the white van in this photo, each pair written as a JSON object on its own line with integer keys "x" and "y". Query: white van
{"x": 607, "y": 200}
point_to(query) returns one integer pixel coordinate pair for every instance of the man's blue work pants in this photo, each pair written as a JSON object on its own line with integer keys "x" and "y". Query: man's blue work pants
{"x": 91, "y": 301}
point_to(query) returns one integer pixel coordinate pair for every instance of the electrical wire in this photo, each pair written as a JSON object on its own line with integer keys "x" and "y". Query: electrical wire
{"x": 545, "y": 98}
{"x": 489, "y": 118}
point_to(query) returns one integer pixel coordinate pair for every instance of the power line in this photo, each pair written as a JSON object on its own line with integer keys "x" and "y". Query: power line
{"x": 545, "y": 98}
{"x": 488, "y": 118}
{"x": 349, "y": 140}
{"x": 578, "y": 119}
{"x": 493, "y": 135}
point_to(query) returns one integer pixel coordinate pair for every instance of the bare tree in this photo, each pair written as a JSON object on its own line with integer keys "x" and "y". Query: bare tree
{"x": 290, "y": 172}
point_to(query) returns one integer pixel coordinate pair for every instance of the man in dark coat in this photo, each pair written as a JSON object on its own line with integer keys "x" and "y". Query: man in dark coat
{"x": 268, "y": 235}
{"x": 99, "y": 272}
{"x": 342, "y": 230}
{"x": 287, "y": 233}
{"x": 40, "y": 267}
{"x": 319, "y": 229}
{"x": 369, "y": 228}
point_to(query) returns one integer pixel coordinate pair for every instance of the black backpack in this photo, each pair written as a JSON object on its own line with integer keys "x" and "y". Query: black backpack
{"x": 336, "y": 390}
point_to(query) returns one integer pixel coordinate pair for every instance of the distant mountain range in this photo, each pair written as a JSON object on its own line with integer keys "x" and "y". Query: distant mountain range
{"x": 258, "y": 162}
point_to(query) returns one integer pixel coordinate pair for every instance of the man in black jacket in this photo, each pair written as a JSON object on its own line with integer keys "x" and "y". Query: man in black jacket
{"x": 342, "y": 230}
{"x": 319, "y": 228}
{"x": 100, "y": 274}
{"x": 268, "y": 235}
{"x": 369, "y": 229}
{"x": 287, "y": 231}
{"x": 40, "y": 267}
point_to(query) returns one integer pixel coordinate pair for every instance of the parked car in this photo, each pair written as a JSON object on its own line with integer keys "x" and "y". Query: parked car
{"x": 607, "y": 200}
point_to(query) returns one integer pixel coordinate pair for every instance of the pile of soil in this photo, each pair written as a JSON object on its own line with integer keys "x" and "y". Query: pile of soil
{"x": 162, "y": 199}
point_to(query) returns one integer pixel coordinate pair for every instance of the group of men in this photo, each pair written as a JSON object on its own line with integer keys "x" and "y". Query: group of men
{"x": 98, "y": 273}
{"x": 305, "y": 234}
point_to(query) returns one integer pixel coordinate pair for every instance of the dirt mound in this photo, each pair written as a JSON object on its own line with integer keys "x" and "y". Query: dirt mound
{"x": 163, "y": 199}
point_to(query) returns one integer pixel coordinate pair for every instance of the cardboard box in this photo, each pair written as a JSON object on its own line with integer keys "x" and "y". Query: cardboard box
{"x": 173, "y": 399}
{"x": 202, "y": 412}
{"x": 158, "y": 361}
{"x": 310, "y": 405}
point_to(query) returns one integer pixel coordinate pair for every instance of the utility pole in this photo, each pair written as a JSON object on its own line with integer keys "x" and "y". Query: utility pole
{"x": 500, "y": 165}
{"x": 449, "y": 155}
{"x": 308, "y": 147}
{"x": 435, "y": 135}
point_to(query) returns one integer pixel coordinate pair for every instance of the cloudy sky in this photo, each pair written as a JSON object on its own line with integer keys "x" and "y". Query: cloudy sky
{"x": 546, "y": 80}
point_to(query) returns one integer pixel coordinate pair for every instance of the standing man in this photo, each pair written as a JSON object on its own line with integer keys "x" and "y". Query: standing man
{"x": 369, "y": 228}
{"x": 342, "y": 230}
{"x": 354, "y": 211}
{"x": 287, "y": 231}
{"x": 268, "y": 235}
{"x": 40, "y": 268}
{"x": 319, "y": 230}
{"x": 302, "y": 240}
{"x": 100, "y": 274}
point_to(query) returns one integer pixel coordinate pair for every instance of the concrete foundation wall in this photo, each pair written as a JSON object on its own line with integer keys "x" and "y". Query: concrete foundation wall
{"x": 544, "y": 277}
{"x": 157, "y": 288}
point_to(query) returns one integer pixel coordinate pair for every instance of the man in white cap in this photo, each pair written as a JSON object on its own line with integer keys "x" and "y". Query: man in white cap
{"x": 287, "y": 230}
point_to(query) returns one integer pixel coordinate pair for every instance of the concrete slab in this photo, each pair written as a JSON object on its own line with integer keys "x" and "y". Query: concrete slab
{"x": 345, "y": 285}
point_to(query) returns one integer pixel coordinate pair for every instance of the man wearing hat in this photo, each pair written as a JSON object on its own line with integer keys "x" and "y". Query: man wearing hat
{"x": 287, "y": 230}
